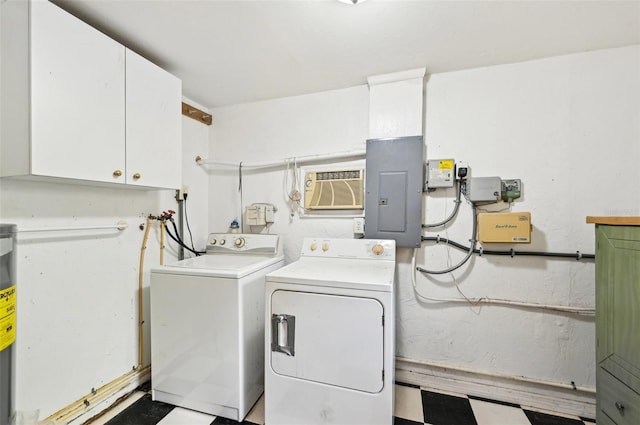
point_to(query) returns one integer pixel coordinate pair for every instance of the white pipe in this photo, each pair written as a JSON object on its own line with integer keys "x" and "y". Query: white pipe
{"x": 121, "y": 225}
{"x": 271, "y": 164}
{"x": 496, "y": 301}
{"x": 110, "y": 389}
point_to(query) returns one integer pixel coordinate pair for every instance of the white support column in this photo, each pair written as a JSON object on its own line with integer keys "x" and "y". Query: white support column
{"x": 396, "y": 104}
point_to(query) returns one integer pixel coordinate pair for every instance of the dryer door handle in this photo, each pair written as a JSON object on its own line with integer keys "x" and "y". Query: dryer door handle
{"x": 283, "y": 331}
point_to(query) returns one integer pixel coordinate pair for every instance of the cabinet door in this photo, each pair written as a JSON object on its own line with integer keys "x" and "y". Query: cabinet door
{"x": 154, "y": 113}
{"x": 77, "y": 95}
{"x": 618, "y": 302}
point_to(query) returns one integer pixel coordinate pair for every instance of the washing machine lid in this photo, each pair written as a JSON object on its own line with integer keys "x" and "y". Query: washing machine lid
{"x": 219, "y": 265}
{"x": 347, "y": 273}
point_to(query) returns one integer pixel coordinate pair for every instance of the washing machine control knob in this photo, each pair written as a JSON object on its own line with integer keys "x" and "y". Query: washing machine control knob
{"x": 325, "y": 247}
{"x": 313, "y": 246}
{"x": 377, "y": 249}
{"x": 212, "y": 242}
{"x": 222, "y": 241}
{"x": 239, "y": 243}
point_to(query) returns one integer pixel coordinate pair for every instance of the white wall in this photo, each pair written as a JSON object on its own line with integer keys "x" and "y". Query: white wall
{"x": 77, "y": 290}
{"x": 328, "y": 122}
{"x": 567, "y": 126}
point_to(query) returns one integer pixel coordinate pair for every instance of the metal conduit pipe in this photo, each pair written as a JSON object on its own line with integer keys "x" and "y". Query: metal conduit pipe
{"x": 494, "y": 301}
{"x": 470, "y": 250}
{"x": 453, "y": 214}
{"x": 512, "y": 253}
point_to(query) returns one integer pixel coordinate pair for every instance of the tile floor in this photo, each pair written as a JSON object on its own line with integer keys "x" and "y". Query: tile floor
{"x": 414, "y": 406}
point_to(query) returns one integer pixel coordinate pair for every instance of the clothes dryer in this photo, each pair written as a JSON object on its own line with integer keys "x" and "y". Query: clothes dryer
{"x": 330, "y": 335}
{"x": 207, "y": 325}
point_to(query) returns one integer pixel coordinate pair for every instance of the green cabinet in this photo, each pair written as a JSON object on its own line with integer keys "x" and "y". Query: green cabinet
{"x": 618, "y": 324}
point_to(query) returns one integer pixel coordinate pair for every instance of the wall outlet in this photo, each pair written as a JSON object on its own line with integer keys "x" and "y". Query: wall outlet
{"x": 180, "y": 193}
{"x": 358, "y": 225}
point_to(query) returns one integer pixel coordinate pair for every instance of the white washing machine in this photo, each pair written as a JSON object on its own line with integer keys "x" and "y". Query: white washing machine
{"x": 207, "y": 325}
{"x": 330, "y": 335}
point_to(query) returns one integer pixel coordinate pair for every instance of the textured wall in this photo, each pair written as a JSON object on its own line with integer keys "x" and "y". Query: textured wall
{"x": 567, "y": 126}
{"x": 77, "y": 290}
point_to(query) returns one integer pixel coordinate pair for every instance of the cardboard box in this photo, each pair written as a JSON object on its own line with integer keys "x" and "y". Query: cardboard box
{"x": 504, "y": 227}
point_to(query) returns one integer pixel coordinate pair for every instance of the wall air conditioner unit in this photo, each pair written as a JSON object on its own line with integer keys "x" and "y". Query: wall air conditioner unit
{"x": 334, "y": 190}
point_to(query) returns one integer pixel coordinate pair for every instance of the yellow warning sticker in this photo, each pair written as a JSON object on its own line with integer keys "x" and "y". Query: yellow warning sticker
{"x": 446, "y": 164}
{"x": 7, "y": 316}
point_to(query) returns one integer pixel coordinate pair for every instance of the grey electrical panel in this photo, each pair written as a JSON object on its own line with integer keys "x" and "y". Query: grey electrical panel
{"x": 394, "y": 182}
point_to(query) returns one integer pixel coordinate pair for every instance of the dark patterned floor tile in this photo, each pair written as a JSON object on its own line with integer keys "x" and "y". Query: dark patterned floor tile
{"x": 142, "y": 412}
{"x": 538, "y": 418}
{"x": 224, "y": 421}
{"x": 443, "y": 409}
{"x": 401, "y": 421}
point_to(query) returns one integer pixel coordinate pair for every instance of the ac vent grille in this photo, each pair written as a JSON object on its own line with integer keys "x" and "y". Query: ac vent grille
{"x": 334, "y": 190}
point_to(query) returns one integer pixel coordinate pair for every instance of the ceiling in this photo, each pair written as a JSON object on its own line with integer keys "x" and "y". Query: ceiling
{"x": 230, "y": 52}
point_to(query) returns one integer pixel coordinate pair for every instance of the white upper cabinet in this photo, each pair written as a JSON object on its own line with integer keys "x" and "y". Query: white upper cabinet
{"x": 77, "y": 98}
{"x": 153, "y": 108}
{"x": 78, "y": 105}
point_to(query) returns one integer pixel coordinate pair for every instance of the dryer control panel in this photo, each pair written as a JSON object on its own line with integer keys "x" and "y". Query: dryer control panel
{"x": 380, "y": 249}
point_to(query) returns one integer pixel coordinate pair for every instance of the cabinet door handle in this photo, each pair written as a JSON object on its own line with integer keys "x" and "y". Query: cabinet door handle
{"x": 117, "y": 173}
{"x": 619, "y": 406}
{"x": 136, "y": 176}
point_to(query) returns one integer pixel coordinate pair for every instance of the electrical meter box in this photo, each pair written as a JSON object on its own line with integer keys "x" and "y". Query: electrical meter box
{"x": 504, "y": 227}
{"x": 394, "y": 179}
{"x": 440, "y": 173}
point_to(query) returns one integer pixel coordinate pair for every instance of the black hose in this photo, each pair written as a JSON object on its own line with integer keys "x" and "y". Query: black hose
{"x": 179, "y": 241}
{"x": 186, "y": 219}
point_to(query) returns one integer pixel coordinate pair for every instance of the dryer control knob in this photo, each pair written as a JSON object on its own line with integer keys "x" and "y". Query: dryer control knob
{"x": 212, "y": 242}
{"x": 239, "y": 243}
{"x": 222, "y": 241}
{"x": 325, "y": 247}
{"x": 313, "y": 246}
{"x": 377, "y": 249}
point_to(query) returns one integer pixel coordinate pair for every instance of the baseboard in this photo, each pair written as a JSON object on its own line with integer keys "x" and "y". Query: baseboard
{"x": 99, "y": 401}
{"x": 538, "y": 395}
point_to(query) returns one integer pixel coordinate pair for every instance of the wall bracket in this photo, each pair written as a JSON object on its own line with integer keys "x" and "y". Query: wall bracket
{"x": 196, "y": 114}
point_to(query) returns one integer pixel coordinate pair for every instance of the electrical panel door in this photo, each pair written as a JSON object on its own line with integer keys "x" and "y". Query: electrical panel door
{"x": 394, "y": 181}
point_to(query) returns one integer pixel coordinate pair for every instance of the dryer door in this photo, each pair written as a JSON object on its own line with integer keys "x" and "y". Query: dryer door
{"x": 331, "y": 339}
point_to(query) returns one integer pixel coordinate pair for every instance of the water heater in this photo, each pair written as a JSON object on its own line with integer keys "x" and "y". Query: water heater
{"x": 7, "y": 319}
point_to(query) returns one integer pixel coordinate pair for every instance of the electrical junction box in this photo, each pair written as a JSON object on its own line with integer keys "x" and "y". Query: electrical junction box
{"x": 504, "y": 227}
{"x": 440, "y": 173}
{"x": 511, "y": 189}
{"x": 484, "y": 189}
{"x": 259, "y": 214}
